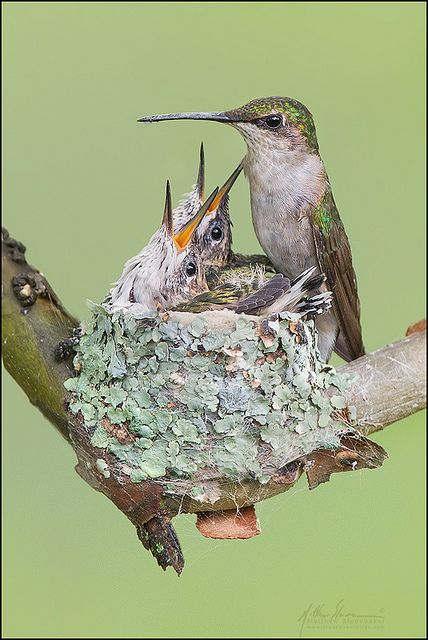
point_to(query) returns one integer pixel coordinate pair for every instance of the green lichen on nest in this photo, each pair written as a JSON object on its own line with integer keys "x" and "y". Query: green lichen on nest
{"x": 171, "y": 399}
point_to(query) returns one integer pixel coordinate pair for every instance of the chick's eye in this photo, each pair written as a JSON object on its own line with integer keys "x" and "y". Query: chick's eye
{"x": 191, "y": 269}
{"x": 273, "y": 122}
{"x": 216, "y": 233}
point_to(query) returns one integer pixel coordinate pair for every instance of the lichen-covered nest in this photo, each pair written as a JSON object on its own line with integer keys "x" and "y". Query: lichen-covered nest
{"x": 186, "y": 399}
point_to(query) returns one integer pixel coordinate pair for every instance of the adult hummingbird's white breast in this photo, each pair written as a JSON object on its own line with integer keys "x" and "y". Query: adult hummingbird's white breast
{"x": 285, "y": 185}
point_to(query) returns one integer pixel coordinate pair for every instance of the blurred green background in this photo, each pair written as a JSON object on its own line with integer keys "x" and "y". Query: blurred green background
{"x": 83, "y": 189}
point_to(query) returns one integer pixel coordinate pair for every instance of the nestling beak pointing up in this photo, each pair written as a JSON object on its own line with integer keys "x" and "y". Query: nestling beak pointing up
{"x": 222, "y": 193}
{"x": 200, "y": 184}
{"x": 185, "y": 235}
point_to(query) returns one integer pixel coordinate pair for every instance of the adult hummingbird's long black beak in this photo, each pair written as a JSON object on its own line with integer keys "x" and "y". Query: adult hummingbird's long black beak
{"x": 184, "y": 236}
{"x": 217, "y": 116}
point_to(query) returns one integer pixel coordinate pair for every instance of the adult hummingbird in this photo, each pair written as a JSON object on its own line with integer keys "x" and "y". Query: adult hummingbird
{"x": 294, "y": 214}
{"x": 167, "y": 271}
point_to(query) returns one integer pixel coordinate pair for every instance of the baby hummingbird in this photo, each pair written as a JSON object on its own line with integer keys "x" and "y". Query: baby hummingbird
{"x": 294, "y": 214}
{"x": 167, "y": 271}
{"x": 263, "y": 293}
{"x": 213, "y": 236}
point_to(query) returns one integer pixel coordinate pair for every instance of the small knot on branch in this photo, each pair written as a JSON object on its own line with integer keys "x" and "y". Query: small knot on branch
{"x": 27, "y": 287}
{"x": 14, "y": 249}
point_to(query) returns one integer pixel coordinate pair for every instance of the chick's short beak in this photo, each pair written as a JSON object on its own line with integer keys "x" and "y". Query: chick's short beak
{"x": 185, "y": 235}
{"x": 224, "y": 190}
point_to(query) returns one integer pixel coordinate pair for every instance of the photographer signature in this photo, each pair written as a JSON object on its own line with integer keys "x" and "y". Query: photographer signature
{"x": 319, "y": 615}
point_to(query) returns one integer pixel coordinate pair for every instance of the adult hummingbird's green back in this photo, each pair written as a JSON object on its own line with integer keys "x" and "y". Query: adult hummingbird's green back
{"x": 294, "y": 214}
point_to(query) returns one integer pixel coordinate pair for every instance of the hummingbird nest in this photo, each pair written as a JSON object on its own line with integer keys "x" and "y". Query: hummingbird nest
{"x": 212, "y": 407}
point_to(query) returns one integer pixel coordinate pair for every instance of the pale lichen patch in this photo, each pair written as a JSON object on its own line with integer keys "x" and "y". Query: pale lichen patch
{"x": 168, "y": 398}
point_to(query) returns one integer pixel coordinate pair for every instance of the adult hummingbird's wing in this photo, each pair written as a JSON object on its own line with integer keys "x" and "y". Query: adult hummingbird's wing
{"x": 335, "y": 260}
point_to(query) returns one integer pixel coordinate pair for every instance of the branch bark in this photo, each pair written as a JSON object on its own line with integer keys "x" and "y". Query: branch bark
{"x": 33, "y": 323}
{"x": 387, "y": 385}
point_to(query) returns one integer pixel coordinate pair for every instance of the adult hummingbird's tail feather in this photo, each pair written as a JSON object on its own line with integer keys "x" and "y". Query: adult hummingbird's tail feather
{"x": 313, "y": 283}
{"x": 342, "y": 349}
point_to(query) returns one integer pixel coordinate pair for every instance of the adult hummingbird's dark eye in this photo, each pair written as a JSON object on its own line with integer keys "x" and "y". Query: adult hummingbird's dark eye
{"x": 191, "y": 269}
{"x": 216, "y": 233}
{"x": 273, "y": 122}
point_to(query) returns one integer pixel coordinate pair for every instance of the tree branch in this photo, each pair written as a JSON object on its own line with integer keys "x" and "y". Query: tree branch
{"x": 33, "y": 323}
{"x": 387, "y": 386}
